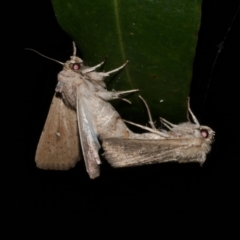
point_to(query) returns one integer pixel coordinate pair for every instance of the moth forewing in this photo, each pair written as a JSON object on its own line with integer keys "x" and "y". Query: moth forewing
{"x": 59, "y": 146}
{"x": 135, "y": 152}
{"x": 88, "y": 136}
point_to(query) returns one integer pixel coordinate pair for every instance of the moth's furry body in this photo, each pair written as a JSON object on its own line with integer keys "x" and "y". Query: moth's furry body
{"x": 186, "y": 142}
{"x": 79, "y": 115}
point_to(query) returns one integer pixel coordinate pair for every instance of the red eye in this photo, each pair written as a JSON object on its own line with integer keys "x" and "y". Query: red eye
{"x": 204, "y": 133}
{"x": 75, "y": 66}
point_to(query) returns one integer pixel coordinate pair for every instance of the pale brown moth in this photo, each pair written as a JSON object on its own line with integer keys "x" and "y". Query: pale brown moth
{"x": 184, "y": 143}
{"x": 78, "y": 116}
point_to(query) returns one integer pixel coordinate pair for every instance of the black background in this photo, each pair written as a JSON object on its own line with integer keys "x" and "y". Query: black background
{"x": 170, "y": 193}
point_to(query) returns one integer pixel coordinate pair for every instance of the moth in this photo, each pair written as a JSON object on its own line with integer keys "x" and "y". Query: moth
{"x": 184, "y": 143}
{"x": 78, "y": 116}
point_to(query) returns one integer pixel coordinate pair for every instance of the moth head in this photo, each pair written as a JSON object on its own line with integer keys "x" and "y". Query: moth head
{"x": 206, "y": 133}
{"x": 200, "y": 131}
{"x": 190, "y": 129}
{"x": 75, "y": 63}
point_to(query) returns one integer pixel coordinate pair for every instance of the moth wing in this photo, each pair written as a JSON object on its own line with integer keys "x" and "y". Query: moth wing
{"x": 59, "y": 146}
{"x": 124, "y": 152}
{"x": 88, "y": 136}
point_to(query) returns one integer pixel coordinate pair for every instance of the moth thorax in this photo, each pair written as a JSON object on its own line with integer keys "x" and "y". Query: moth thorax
{"x": 68, "y": 93}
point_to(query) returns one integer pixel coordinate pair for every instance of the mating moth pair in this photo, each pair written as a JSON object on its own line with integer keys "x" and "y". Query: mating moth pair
{"x": 80, "y": 116}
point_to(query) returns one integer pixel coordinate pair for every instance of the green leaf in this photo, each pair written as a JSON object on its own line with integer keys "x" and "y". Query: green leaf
{"x": 158, "y": 37}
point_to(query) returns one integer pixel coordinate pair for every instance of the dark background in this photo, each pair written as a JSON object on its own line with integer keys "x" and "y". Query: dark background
{"x": 150, "y": 194}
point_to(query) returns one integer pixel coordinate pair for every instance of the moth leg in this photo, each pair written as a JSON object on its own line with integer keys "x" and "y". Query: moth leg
{"x": 116, "y": 95}
{"x": 107, "y": 74}
{"x": 117, "y": 69}
{"x": 110, "y": 95}
{"x": 191, "y": 113}
{"x": 149, "y": 114}
{"x": 148, "y": 129}
{"x": 167, "y": 123}
{"x": 91, "y": 69}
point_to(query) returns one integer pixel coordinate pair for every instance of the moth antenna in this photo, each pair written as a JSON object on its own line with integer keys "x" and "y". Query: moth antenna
{"x": 188, "y": 117}
{"x": 148, "y": 129}
{"x": 149, "y": 113}
{"x": 30, "y": 49}
{"x": 74, "y": 49}
{"x": 192, "y": 115}
{"x": 167, "y": 123}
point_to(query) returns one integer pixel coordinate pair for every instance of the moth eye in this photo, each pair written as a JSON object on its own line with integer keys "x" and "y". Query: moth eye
{"x": 204, "y": 133}
{"x": 75, "y": 66}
